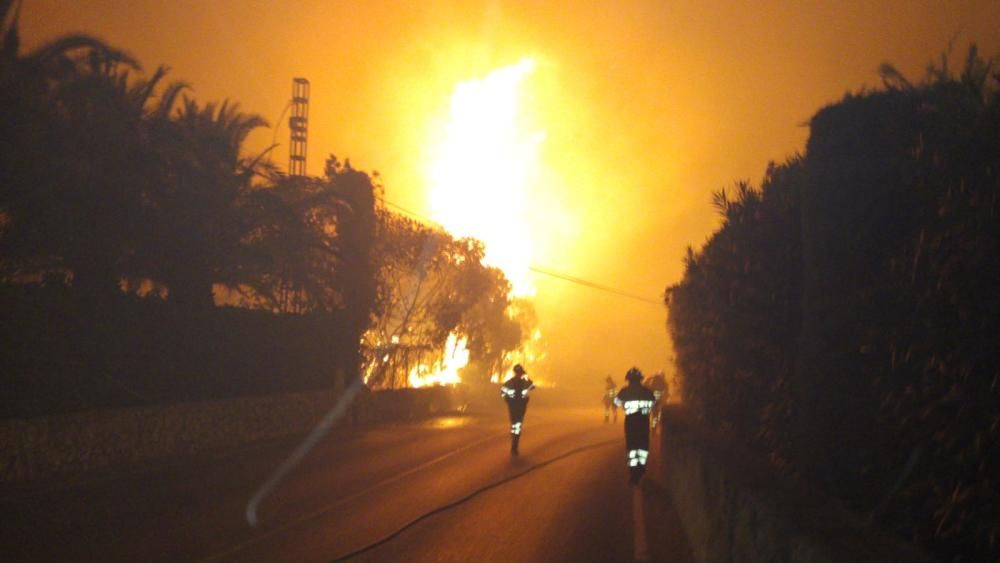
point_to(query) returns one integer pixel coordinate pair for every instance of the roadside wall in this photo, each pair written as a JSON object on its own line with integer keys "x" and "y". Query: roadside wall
{"x": 70, "y": 444}
{"x": 734, "y": 507}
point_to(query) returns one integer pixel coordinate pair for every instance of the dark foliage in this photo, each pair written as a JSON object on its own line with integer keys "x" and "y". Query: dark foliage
{"x": 734, "y": 317}
{"x": 114, "y": 183}
{"x": 865, "y": 356}
{"x": 128, "y": 214}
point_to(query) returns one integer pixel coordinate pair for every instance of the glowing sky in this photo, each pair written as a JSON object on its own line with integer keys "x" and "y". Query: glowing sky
{"x": 647, "y": 107}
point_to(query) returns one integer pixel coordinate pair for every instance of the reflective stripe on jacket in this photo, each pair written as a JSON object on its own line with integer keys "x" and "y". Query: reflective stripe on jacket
{"x": 516, "y": 388}
{"x": 635, "y": 400}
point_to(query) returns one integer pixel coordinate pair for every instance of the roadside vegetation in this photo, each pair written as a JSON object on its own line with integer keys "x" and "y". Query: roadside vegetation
{"x": 844, "y": 318}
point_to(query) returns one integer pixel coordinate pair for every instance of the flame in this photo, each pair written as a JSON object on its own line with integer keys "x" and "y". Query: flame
{"x": 445, "y": 371}
{"x": 531, "y": 353}
{"x": 481, "y": 171}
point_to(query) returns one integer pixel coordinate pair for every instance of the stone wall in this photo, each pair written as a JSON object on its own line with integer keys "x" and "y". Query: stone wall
{"x": 735, "y": 507}
{"x": 72, "y": 444}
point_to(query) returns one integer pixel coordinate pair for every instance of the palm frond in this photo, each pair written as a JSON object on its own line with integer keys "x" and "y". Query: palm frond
{"x": 721, "y": 203}
{"x": 892, "y": 78}
{"x": 168, "y": 97}
{"x": 141, "y": 92}
{"x": 57, "y": 53}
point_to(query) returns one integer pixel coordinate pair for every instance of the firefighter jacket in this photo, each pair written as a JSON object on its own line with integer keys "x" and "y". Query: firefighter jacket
{"x": 635, "y": 400}
{"x": 516, "y": 389}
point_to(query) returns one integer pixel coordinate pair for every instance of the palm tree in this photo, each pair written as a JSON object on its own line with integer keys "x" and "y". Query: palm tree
{"x": 199, "y": 219}
{"x": 74, "y": 154}
{"x": 109, "y": 167}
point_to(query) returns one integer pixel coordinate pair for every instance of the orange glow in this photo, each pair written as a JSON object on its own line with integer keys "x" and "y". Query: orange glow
{"x": 448, "y": 422}
{"x": 445, "y": 371}
{"x": 482, "y": 167}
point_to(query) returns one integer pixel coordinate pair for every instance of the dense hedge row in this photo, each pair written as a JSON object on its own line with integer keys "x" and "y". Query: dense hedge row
{"x": 734, "y": 318}
{"x": 62, "y": 354}
{"x": 845, "y": 318}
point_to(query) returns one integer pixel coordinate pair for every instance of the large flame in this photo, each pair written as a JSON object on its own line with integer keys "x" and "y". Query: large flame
{"x": 445, "y": 371}
{"x": 481, "y": 171}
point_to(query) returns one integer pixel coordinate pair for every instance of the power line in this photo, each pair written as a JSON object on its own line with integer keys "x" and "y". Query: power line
{"x": 592, "y": 285}
{"x": 420, "y": 218}
{"x": 539, "y": 269}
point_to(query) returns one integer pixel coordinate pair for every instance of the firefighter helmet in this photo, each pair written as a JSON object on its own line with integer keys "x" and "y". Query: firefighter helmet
{"x": 633, "y": 375}
{"x": 519, "y": 370}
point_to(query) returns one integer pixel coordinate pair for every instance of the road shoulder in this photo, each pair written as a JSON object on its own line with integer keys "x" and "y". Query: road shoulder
{"x": 664, "y": 532}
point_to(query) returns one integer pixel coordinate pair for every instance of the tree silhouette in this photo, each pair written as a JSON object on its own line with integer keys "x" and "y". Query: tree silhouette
{"x": 201, "y": 200}
{"x": 71, "y": 151}
{"x": 844, "y": 319}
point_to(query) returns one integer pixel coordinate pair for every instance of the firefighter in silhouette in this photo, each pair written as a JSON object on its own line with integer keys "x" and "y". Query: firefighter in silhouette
{"x": 515, "y": 392}
{"x": 610, "y": 390}
{"x": 637, "y": 402}
{"x": 658, "y": 385}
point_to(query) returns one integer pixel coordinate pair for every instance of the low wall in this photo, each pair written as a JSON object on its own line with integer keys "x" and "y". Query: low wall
{"x": 71, "y": 444}
{"x": 735, "y": 507}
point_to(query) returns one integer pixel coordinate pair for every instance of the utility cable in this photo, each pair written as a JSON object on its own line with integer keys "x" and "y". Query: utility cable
{"x": 592, "y": 285}
{"x": 277, "y": 126}
{"x": 412, "y": 214}
{"x": 469, "y": 497}
{"x": 537, "y": 269}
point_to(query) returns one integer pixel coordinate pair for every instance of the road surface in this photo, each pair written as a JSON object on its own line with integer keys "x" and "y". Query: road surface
{"x": 443, "y": 489}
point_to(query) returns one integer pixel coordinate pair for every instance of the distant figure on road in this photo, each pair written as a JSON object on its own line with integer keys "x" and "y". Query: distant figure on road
{"x": 658, "y": 385}
{"x": 637, "y": 402}
{"x": 515, "y": 392}
{"x": 610, "y": 390}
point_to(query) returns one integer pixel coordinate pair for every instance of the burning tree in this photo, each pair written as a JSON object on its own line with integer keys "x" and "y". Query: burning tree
{"x": 438, "y": 308}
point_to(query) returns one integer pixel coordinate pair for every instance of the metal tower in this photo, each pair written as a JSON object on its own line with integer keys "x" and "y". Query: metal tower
{"x": 298, "y": 127}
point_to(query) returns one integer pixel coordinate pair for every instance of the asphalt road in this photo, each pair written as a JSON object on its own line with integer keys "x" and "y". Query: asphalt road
{"x": 444, "y": 489}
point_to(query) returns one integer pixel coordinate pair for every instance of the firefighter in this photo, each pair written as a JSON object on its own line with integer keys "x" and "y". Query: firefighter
{"x": 658, "y": 385}
{"x": 515, "y": 392}
{"x": 637, "y": 402}
{"x": 610, "y": 390}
